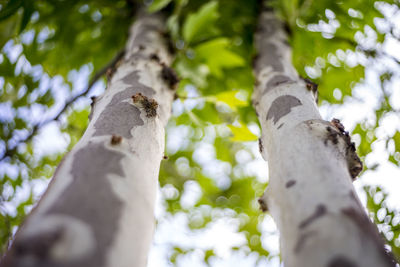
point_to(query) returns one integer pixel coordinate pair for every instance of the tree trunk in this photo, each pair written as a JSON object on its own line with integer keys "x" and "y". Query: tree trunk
{"x": 98, "y": 210}
{"x": 311, "y": 165}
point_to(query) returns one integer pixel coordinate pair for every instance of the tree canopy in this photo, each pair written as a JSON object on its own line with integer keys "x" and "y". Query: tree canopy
{"x": 55, "y": 55}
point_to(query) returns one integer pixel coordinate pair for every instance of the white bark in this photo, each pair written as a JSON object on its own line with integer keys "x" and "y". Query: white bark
{"x": 311, "y": 163}
{"x": 98, "y": 210}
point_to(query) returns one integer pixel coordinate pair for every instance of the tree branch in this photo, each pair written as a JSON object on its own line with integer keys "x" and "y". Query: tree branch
{"x": 10, "y": 151}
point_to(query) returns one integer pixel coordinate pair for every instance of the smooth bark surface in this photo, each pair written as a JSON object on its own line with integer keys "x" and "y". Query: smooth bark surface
{"x": 98, "y": 210}
{"x": 311, "y": 166}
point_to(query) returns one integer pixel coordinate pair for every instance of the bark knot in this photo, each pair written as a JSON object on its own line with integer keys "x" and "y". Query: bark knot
{"x": 149, "y": 105}
{"x": 320, "y": 211}
{"x": 260, "y": 145}
{"x": 353, "y": 161}
{"x": 312, "y": 87}
{"x": 155, "y": 57}
{"x": 116, "y": 139}
{"x": 263, "y": 205}
{"x": 290, "y": 183}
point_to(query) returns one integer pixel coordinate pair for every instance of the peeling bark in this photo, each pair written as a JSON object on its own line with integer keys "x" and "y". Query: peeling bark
{"x": 98, "y": 210}
{"x": 311, "y": 166}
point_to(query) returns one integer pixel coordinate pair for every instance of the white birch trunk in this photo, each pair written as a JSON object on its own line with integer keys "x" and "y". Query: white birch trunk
{"x": 311, "y": 165}
{"x": 98, "y": 210}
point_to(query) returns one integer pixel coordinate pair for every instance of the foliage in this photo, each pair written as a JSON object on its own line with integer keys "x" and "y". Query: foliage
{"x": 46, "y": 45}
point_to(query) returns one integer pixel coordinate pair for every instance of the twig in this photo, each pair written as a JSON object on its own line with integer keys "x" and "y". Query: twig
{"x": 10, "y": 151}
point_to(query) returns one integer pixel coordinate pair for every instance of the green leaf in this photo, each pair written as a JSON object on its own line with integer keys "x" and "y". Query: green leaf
{"x": 11, "y": 7}
{"x": 343, "y": 78}
{"x": 158, "y": 5}
{"x": 396, "y": 139}
{"x": 229, "y": 97}
{"x": 8, "y": 29}
{"x": 26, "y": 15}
{"x": 199, "y": 25}
{"x": 242, "y": 133}
{"x": 217, "y": 55}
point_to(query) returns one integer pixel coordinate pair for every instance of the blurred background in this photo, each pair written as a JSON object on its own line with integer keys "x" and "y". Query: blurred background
{"x": 54, "y": 56}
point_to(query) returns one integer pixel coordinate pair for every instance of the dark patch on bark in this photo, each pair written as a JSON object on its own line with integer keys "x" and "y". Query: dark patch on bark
{"x": 260, "y": 145}
{"x": 332, "y": 136}
{"x": 132, "y": 79}
{"x": 290, "y": 183}
{"x": 165, "y": 157}
{"x": 319, "y": 212}
{"x": 282, "y": 106}
{"x": 120, "y": 116}
{"x": 149, "y": 105}
{"x": 10, "y": 257}
{"x": 341, "y": 261}
{"x": 369, "y": 231}
{"x": 353, "y": 161}
{"x": 169, "y": 76}
{"x": 155, "y": 57}
{"x": 101, "y": 211}
{"x": 37, "y": 246}
{"x": 170, "y": 43}
{"x": 287, "y": 29}
{"x": 93, "y": 98}
{"x": 302, "y": 240}
{"x": 116, "y": 139}
{"x": 280, "y": 126}
{"x": 339, "y": 126}
{"x": 263, "y": 205}
{"x": 313, "y": 87}
{"x": 268, "y": 56}
{"x": 276, "y": 81}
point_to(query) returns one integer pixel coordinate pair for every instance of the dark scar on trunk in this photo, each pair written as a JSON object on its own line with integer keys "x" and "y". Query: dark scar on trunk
{"x": 290, "y": 183}
{"x": 276, "y": 81}
{"x": 93, "y": 98}
{"x": 38, "y": 245}
{"x": 341, "y": 261}
{"x": 282, "y": 106}
{"x": 302, "y": 240}
{"x": 169, "y": 76}
{"x": 319, "y": 212}
{"x": 102, "y": 211}
{"x": 260, "y": 145}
